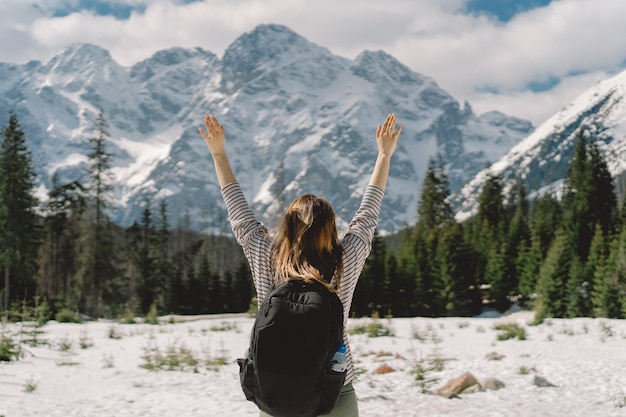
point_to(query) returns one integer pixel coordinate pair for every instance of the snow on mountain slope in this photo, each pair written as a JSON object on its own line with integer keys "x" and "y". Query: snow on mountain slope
{"x": 542, "y": 158}
{"x": 298, "y": 119}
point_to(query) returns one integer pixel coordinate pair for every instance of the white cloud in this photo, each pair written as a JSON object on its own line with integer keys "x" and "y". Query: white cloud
{"x": 537, "y": 106}
{"x": 464, "y": 53}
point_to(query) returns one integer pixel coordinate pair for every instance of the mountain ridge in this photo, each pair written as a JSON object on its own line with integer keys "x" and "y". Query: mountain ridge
{"x": 542, "y": 158}
{"x": 298, "y": 119}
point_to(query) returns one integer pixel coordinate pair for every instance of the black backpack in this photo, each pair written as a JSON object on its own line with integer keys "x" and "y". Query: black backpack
{"x": 297, "y": 331}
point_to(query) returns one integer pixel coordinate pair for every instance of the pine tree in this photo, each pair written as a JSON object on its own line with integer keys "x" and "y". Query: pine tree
{"x": 529, "y": 262}
{"x": 553, "y": 277}
{"x": 488, "y": 234}
{"x": 195, "y": 296}
{"x": 491, "y": 214}
{"x": 425, "y": 249}
{"x": 418, "y": 259}
{"x": 204, "y": 277}
{"x": 577, "y": 300}
{"x": 242, "y": 288}
{"x": 368, "y": 297}
{"x": 517, "y": 241}
{"x": 589, "y": 196}
{"x": 227, "y": 301}
{"x": 57, "y": 262}
{"x": 454, "y": 272}
{"x": 433, "y": 207}
{"x": 142, "y": 257}
{"x": 163, "y": 264}
{"x": 545, "y": 220}
{"x": 622, "y": 214}
{"x": 518, "y": 199}
{"x": 402, "y": 287}
{"x": 217, "y": 299}
{"x": 183, "y": 287}
{"x": 610, "y": 285}
{"x": 96, "y": 282}
{"x": 176, "y": 288}
{"x": 577, "y": 220}
{"x": 410, "y": 261}
{"x": 495, "y": 278}
{"x": 19, "y": 234}
{"x": 595, "y": 269}
{"x": 603, "y": 198}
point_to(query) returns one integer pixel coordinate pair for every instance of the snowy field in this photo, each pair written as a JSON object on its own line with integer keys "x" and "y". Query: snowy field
{"x": 95, "y": 369}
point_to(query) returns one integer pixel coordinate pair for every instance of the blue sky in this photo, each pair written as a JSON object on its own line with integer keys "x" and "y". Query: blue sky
{"x": 504, "y": 10}
{"x": 119, "y": 9}
{"x": 526, "y": 58}
{"x": 101, "y": 8}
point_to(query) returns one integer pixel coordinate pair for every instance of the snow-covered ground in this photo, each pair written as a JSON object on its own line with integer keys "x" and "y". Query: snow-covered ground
{"x": 584, "y": 358}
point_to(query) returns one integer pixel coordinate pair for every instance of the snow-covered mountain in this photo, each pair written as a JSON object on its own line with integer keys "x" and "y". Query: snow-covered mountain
{"x": 542, "y": 158}
{"x": 298, "y": 119}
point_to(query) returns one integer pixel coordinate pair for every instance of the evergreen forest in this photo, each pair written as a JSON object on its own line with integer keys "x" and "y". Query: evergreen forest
{"x": 562, "y": 257}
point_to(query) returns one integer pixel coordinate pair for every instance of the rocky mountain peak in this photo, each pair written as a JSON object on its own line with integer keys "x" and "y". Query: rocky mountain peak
{"x": 298, "y": 119}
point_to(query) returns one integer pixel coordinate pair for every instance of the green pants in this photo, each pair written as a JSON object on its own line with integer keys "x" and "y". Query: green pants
{"x": 346, "y": 405}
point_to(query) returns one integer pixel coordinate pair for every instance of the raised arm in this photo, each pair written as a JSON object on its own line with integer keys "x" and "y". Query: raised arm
{"x": 386, "y": 138}
{"x": 215, "y": 139}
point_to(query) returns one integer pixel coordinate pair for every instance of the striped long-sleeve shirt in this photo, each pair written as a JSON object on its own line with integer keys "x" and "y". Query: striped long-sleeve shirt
{"x": 258, "y": 246}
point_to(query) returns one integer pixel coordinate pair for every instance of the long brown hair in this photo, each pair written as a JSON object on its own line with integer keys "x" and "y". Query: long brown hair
{"x": 306, "y": 244}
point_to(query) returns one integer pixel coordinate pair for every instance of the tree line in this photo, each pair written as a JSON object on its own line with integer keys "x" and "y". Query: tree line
{"x": 69, "y": 253}
{"x": 563, "y": 257}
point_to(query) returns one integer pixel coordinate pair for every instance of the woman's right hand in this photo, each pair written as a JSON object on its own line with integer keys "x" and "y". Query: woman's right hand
{"x": 215, "y": 137}
{"x": 387, "y": 135}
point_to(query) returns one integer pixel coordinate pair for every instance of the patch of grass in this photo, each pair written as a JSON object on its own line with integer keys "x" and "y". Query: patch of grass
{"x": 525, "y": 370}
{"x": 417, "y": 334}
{"x": 619, "y": 398}
{"x": 84, "y": 341}
{"x": 38, "y": 311}
{"x": 372, "y": 329}
{"x": 10, "y": 350}
{"x": 65, "y": 315}
{"x": 422, "y": 371}
{"x": 30, "y": 386}
{"x": 64, "y": 344}
{"x": 153, "y": 315}
{"x": 175, "y": 357}
{"x": 358, "y": 371}
{"x": 31, "y": 320}
{"x": 115, "y": 333}
{"x": 224, "y": 327}
{"x": 214, "y": 363}
{"x": 510, "y": 331}
{"x": 606, "y": 331}
{"x": 31, "y": 334}
{"x": 128, "y": 317}
{"x": 567, "y": 330}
